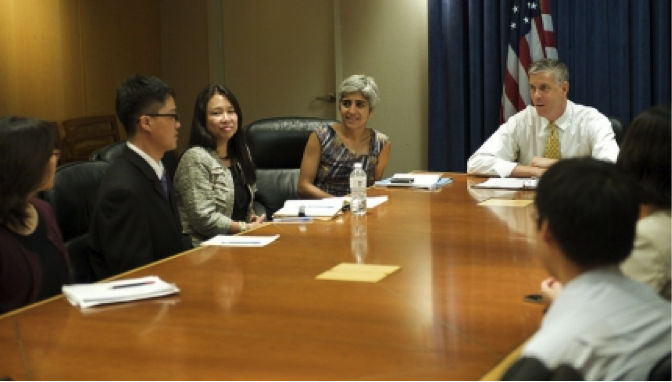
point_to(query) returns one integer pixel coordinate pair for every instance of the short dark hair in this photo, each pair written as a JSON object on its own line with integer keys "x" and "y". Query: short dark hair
{"x": 645, "y": 153}
{"x": 26, "y": 146}
{"x": 591, "y": 208}
{"x": 139, "y": 95}
{"x": 237, "y": 146}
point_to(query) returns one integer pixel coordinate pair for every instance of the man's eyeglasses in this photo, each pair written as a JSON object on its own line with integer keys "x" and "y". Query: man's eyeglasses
{"x": 174, "y": 115}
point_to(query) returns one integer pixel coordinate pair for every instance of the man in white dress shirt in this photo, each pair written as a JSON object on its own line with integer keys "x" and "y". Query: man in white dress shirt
{"x": 603, "y": 325}
{"x": 550, "y": 129}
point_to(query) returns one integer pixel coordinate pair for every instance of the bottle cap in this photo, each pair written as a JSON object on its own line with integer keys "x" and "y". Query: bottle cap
{"x": 358, "y": 165}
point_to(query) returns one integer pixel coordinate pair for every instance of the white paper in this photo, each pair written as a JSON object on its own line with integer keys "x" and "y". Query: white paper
{"x": 88, "y": 295}
{"x": 312, "y": 207}
{"x": 371, "y": 201}
{"x": 509, "y": 183}
{"x": 419, "y": 180}
{"x": 241, "y": 241}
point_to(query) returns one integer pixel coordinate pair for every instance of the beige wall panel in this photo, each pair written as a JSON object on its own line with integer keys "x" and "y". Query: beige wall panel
{"x": 31, "y": 61}
{"x": 62, "y": 59}
{"x": 8, "y": 59}
{"x": 72, "y": 86}
{"x": 388, "y": 41}
{"x": 185, "y": 61}
{"x": 278, "y": 56}
{"x": 118, "y": 38}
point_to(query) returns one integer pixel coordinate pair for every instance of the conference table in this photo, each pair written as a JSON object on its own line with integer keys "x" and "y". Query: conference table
{"x": 453, "y": 311}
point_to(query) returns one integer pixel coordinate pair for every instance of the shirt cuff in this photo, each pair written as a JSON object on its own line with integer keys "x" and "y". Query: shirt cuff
{"x": 504, "y": 169}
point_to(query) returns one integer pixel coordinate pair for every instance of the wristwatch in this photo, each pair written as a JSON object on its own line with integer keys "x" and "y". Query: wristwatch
{"x": 243, "y": 226}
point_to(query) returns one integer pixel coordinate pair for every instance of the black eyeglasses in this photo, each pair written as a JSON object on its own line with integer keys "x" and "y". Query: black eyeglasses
{"x": 174, "y": 115}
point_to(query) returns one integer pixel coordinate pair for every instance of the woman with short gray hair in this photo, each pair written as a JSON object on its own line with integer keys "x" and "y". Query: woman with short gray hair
{"x": 332, "y": 150}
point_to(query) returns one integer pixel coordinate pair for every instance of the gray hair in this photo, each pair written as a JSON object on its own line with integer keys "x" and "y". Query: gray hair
{"x": 553, "y": 65}
{"x": 363, "y": 84}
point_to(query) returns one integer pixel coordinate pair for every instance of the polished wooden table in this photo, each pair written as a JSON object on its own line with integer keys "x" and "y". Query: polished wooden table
{"x": 453, "y": 311}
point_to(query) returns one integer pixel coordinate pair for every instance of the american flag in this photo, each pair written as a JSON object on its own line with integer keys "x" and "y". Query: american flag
{"x": 531, "y": 38}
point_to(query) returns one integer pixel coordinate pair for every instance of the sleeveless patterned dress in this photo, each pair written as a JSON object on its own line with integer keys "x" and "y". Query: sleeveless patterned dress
{"x": 337, "y": 161}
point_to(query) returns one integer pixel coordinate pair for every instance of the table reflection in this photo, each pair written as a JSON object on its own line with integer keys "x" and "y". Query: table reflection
{"x": 359, "y": 243}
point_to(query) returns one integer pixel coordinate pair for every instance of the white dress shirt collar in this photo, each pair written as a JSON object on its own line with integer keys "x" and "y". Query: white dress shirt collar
{"x": 564, "y": 121}
{"x": 156, "y": 166}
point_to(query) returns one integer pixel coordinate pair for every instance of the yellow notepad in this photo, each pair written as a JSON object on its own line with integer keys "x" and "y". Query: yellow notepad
{"x": 370, "y": 273}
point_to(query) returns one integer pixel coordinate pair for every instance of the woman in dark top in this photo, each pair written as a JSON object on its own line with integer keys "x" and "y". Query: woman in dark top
{"x": 216, "y": 178}
{"x": 34, "y": 264}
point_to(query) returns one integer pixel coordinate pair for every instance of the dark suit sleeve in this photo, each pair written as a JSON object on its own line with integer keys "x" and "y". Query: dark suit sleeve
{"x": 123, "y": 231}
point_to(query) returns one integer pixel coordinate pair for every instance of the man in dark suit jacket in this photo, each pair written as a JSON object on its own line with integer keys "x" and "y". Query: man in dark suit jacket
{"x": 135, "y": 221}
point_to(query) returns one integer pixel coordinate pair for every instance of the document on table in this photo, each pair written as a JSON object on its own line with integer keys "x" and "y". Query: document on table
{"x": 371, "y": 201}
{"x": 88, "y": 295}
{"x": 316, "y": 208}
{"x": 509, "y": 183}
{"x": 241, "y": 241}
{"x": 418, "y": 181}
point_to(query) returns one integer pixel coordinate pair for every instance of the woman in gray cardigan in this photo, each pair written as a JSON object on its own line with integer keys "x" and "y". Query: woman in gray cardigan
{"x": 216, "y": 178}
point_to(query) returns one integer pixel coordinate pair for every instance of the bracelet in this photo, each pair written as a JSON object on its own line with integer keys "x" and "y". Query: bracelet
{"x": 243, "y": 226}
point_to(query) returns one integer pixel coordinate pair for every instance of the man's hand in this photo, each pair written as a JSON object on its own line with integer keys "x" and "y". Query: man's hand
{"x": 542, "y": 162}
{"x": 550, "y": 288}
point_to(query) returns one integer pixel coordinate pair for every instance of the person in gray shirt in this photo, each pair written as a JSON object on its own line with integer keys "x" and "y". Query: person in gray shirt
{"x": 604, "y": 325}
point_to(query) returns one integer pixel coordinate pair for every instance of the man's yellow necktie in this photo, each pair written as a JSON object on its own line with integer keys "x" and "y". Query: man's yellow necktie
{"x": 552, "y": 150}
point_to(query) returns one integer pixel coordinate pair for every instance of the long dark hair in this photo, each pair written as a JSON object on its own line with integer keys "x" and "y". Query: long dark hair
{"x": 201, "y": 137}
{"x": 645, "y": 153}
{"x": 26, "y": 146}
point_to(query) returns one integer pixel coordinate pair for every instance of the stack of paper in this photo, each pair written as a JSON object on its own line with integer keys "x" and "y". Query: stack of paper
{"x": 509, "y": 183}
{"x": 316, "y": 208}
{"x": 88, "y": 295}
{"x": 371, "y": 273}
{"x": 429, "y": 181}
{"x": 241, "y": 241}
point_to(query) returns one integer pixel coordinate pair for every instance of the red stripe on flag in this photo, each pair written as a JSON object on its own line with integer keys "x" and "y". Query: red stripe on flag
{"x": 524, "y": 55}
{"x": 543, "y": 31}
{"x": 511, "y": 91}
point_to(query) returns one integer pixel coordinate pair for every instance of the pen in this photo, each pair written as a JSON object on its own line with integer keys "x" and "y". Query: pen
{"x": 132, "y": 284}
{"x": 292, "y": 220}
{"x": 239, "y": 242}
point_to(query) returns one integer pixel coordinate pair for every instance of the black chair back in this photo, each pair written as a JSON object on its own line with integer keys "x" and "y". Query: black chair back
{"x": 276, "y": 146}
{"x": 662, "y": 371}
{"x": 619, "y": 129}
{"x": 532, "y": 369}
{"x": 278, "y": 143}
{"x": 108, "y": 153}
{"x": 73, "y": 199}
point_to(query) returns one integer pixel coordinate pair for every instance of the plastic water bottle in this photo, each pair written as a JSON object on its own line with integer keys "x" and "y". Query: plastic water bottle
{"x": 358, "y": 190}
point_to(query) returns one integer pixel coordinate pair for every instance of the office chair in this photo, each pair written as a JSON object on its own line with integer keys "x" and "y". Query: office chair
{"x": 85, "y": 135}
{"x": 54, "y": 126}
{"x": 532, "y": 369}
{"x": 276, "y": 146}
{"x": 662, "y": 371}
{"x": 619, "y": 129}
{"x": 73, "y": 199}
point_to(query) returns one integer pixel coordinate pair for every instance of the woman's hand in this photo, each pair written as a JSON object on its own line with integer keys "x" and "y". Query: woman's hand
{"x": 256, "y": 221}
{"x": 550, "y": 288}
